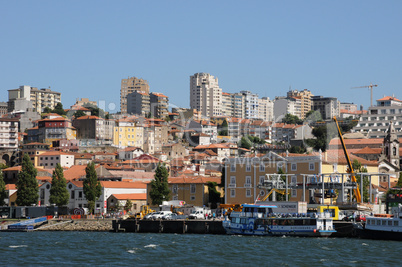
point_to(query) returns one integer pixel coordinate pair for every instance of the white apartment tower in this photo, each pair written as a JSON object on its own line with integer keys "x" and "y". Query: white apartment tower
{"x": 266, "y": 109}
{"x": 205, "y": 94}
{"x": 251, "y": 104}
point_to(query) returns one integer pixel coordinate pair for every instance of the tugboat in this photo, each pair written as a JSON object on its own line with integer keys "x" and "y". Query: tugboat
{"x": 254, "y": 219}
{"x": 381, "y": 226}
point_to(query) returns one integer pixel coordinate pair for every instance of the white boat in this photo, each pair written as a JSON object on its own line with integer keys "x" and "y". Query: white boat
{"x": 256, "y": 219}
{"x": 381, "y": 226}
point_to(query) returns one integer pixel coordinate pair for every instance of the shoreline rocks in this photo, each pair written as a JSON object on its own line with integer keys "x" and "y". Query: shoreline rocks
{"x": 78, "y": 225}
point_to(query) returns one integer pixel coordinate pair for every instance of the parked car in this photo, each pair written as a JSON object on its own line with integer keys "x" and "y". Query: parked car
{"x": 149, "y": 216}
{"x": 158, "y": 215}
{"x": 199, "y": 214}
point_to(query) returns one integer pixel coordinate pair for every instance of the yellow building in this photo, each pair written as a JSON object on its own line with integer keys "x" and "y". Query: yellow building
{"x": 193, "y": 190}
{"x": 128, "y": 133}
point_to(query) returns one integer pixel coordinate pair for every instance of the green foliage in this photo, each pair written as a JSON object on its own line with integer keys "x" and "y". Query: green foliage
{"x": 399, "y": 183}
{"x": 47, "y": 110}
{"x": 249, "y": 141}
{"x": 323, "y": 134}
{"x": 358, "y": 168}
{"x": 213, "y": 195}
{"x": 27, "y": 185}
{"x": 58, "y": 109}
{"x": 313, "y": 116}
{"x": 3, "y": 166}
{"x": 128, "y": 205}
{"x": 79, "y": 113}
{"x": 348, "y": 125}
{"x": 107, "y": 116}
{"x": 291, "y": 119}
{"x": 3, "y": 193}
{"x": 92, "y": 186}
{"x": 159, "y": 186}
{"x": 223, "y": 129}
{"x": 297, "y": 149}
{"x": 58, "y": 192}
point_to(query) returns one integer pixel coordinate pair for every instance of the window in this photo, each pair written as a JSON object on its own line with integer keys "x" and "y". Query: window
{"x": 261, "y": 180}
{"x": 248, "y": 180}
{"x": 248, "y": 192}
{"x": 294, "y": 179}
{"x": 175, "y": 188}
{"x": 262, "y": 167}
{"x": 192, "y": 197}
{"x": 233, "y": 180}
{"x": 232, "y": 193}
{"x": 311, "y": 166}
{"x": 80, "y": 194}
{"x": 192, "y": 189}
{"x": 294, "y": 193}
{"x": 335, "y": 167}
{"x": 233, "y": 167}
{"x": 72, "y": 194}
{"x": 248, "y": 168}
{"x": 294, "y": 167}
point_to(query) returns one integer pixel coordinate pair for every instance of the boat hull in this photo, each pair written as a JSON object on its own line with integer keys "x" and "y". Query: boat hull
{"x": 378, "y": 234}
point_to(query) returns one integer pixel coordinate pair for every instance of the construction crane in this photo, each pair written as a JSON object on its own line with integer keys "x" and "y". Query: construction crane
{"x": 352, "y": 174}
{"x": 371, "y": 89}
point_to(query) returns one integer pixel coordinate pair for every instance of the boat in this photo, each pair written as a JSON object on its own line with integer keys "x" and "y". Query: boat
{"x": 258, "y": 219}
{"x": 381, "y": 226}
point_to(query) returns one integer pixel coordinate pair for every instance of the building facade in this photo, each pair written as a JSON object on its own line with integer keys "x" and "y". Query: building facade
{"x": 138, "y": 102}
{"x": 305, "y": 103}
{"x": 128, "y": 86}
{"x": 159, "y": 105}
{"x": 205, "y": 94}
{"x": 329, "y": 107}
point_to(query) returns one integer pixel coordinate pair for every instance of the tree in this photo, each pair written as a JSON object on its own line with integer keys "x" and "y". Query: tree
{"x": 92, "y": 186}
{"x": 58, "y": 193}
{"x": 223, "y": 129}
{"x": 128, "y": 205}
{"x": 159, "y": 185}
{"x": 58, "y": 109}
{"x": 291, "y": 119}
{"x": 313, "y": 116}
{"x": 245, "y": 143}
{"x": 213, "y": 195}
{"x": 399, "y": 183}
{"x": 79, "y": 113}
{"x": 3, "y": 193}
{"x": 297, "y": 149}
{"x": 27, "y": 185}
{"x": 47, "y": 110}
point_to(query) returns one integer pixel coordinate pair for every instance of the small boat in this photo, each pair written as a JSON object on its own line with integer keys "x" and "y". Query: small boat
{"x": 256, "y": 219}
{"x": 381, "y": 226}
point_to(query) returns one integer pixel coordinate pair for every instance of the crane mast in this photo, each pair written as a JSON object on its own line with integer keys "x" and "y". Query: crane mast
{"x": 352, "y": 174}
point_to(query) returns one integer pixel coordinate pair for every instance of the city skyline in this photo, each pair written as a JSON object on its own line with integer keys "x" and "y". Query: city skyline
{"x": 262, "y": 47}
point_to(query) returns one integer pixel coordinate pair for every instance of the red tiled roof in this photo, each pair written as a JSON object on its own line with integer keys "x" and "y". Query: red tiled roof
{"x": 138, "y": 196}
{"x": 89, "y": 118}
{"x": 114, "y": 184}
{"x": 385, "y": 98}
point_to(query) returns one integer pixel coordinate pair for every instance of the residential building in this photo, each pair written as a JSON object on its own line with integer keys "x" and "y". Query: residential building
{"x": 265, "y": 109}
{"x": 130, "y": 153}
{"x": 8, "y": 133}
{"x": 376, "y": 122}
{"x": 137, "y": 200}
{"x": 3, "y": 108}
{"x": 305, "y": 103}
{"x": 34, "y": 150}
{"x": 244, "y": 175}
{"x": 227, "y": 106}
{"x": 251, "y": 105}
{"x": 128, "y": 132}
{"x": 187, "y": 113}
{"x": 286, "y": 105}
{"x": 205, "y": 127}
{"x": 159, "y": 105}
{"x": 95, "y": 128}
{"x": 174, "y": 150}
{"x": 156, "y": 135}
{"x": 85, "y": 101}
{"x": 40, "y": 98}
{"x": 282, "y": 132}
{"x": 49, "y": 130}
{"x": 49, "y": 159}
{"x": 138, "y": 102}
{"x": 329, "y": 107}
{"x": 128, "y": 86}
{"x": 205, "y": 94}
{"x": 191, "y": 189}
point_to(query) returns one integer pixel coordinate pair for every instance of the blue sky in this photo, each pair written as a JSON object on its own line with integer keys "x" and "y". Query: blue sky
{"x": 85, "y": 48}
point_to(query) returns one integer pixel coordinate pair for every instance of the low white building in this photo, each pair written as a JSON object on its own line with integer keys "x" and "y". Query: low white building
{"x": 77, "y": 197}
{"x": 51, "y": 158}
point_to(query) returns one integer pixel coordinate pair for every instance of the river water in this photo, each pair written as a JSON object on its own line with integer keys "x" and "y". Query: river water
{"x": 134, "y": 249}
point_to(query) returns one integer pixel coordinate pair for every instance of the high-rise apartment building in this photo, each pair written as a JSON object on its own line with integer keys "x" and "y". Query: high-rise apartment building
{"x": 327, "y": 106}
{"x": 128, "y": 86}
{"x": 266, "y": 109}
{"x": 138, "y": 102}
{"x": 227, "y": 107}
{"x": 24, "y": 96}
{"x": 251, "y": 104}
{"x": 205, "y": 94}
{"x": 159, "y": 105}
{"x": 305, "y": 99}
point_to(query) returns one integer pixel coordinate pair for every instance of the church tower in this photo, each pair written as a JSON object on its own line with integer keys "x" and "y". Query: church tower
{"x": 391, "y": 146}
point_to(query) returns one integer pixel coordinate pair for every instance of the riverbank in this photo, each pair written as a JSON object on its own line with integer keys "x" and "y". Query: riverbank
{"x": 101, "y": 225}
